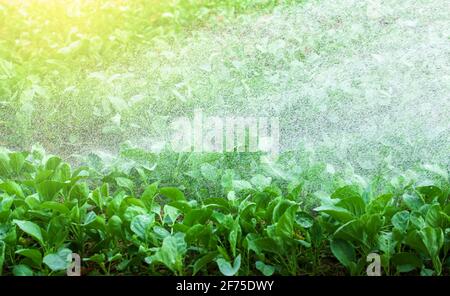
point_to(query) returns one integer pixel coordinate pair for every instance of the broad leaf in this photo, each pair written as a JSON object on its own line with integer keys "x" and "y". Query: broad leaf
{"x": 34, "y": 254}
{"x": 226, "y": 268}
{"x": 265, "y": 269}
{"x": 141, "y": 224}
{"x": 172, "y": 193}
{"x": 30, "y": 228}
{"x": 58, "y": 261}
{"x": 343, "y": 251}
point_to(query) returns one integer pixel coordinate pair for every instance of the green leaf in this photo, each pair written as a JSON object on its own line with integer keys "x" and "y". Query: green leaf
{"x": 429, "y": 192}
{"x": 304, "y": 219}
{"x": 349, "y": 191}
{"x": 114, "y": 257}
{"x": 97, "y": 258}
{"x": 115, "y": 225}
{"x": 149, "y": 195}
{"x": 264, "y": 244}
{"x": 265, "y": 269}
{"x": 401, "y": 220}
{"x": 343, "y": 251}
{"x": 172, "y": 193}
{"x": 30, "y": 228}
{"x": 413, "y": 202}
{"x": 141, "y": 224}
{"x": 48, "y": 189}
{"x": 34, "y": 254}
{"x": 58, "y": 261}
{"x": 55, "y": 206}
{"x": 239, "y": 185}
{"x": 373, "y": 224}
{"x": 17, "y": 160}
{"x": 12, "y": 188}
{"x": 338, "y": 213}
{"x": 125, "y": 183}
{"x": 426, "y": 272}
{"x": 433, "y": 239}
{"x": 197, "y": 216}
{"x": 218, "y": 203}
{"x": 351, "y": 231}
{"x": 234, "y": 236}
{"x": 5, "y": 168}
{"x": 132, "y": 211}
{"x": 406, "y": 262}
{"x": 90, "y": 218}
{"x": 5, "y": 206}
{"x": 354, "y": 204}
{"x": 203, "y": 261}
{"x": 171, "y": 253}
{"x": 386, "y": 243}
{"x": 170, "y": 214}
{"x": 285, "y": 226}
{"x": 181, "y": 205}
{"x": 52, "y": 163}
{"x": 79, "y": 191}
{"x": 379, "y": 204}
{"x": 434, "y": 217}
{"x": 226, "y": 268}
{"x": 22, "y": 270}
{"x": 417, "y": 220}
{"x": 413, "y": 240}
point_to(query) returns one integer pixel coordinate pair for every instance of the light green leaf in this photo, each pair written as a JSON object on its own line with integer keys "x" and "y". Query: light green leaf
{"x": 12, "y": 188}
{"x": 434, "y": 217}
{"x": 149, "y": 195}
{"x": 141, "y": 223}
{"x": 265, "y": 269}
{"x": 22, "y": 270}
{"x": 30, "y": 228}
{"x": 171, "y": 253}
{"x": 338, "y": 213}
{"x": 55, "y": 206}
{"x": 401, "y": 220}
{"x": 226, "y": 268}
{"x": 172, "y": 193}
{"x": 48, "y": 189}
{"x": 125, "y": 183}
{"x": 58, "y": 261}
{"x": 239, "y": 185}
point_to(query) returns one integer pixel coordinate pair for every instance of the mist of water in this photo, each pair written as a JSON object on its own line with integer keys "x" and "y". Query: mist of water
{"x": 352, "y": 85}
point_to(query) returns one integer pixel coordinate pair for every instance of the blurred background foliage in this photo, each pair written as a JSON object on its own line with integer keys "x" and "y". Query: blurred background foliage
{"x": 47, "y": 48}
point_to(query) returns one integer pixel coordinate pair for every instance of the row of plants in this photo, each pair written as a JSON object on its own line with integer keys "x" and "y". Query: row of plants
{"x": 134, "y": 220}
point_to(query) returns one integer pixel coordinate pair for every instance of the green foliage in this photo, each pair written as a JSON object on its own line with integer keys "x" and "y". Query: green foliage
{"x": 145, "y": 223}
{"x": 54, "y": 55}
